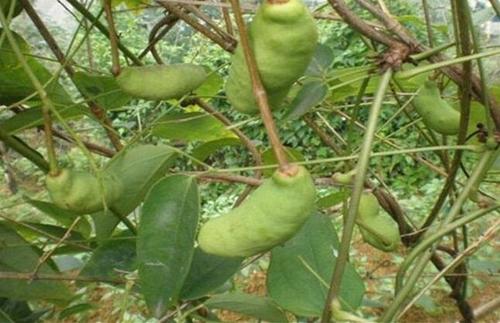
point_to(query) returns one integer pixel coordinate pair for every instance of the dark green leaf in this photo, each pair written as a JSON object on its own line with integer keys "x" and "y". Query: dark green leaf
{"x": 322, "y": 60}
{"x": 102, "y": 89}
{"x": 117, "y": 253}
{"x": 20, "y": 311}
{"x": 138, "y": 168}
{"x": 310, "y": 95}
{"x": 17, "y": 255}
{"x": 260, "y": 307}
{"x": 204, "y": 150}
{"x": 165, "y": 240}
{"x": 300, "y": 271}
{"x": 207, "y": 272}
{"x": 191, "y": 126}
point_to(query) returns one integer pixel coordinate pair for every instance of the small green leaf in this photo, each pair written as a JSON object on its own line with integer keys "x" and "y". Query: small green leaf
{"x": 204, "y": 150}
{"x": 211, "y": 86}
{"x": 192, "y": 126}
{"x": 165, "y": 240}
{"x": 300, "y": 271}
{"x": 207, "y": 272}
{"x": 321, "y": 62}
{"x": 310, "y": 95}
{"x": 332, "y": 199}
{"x": 260, "y": 307}
{"x": 101, "y": 88}
{"x": 74, "y": 309}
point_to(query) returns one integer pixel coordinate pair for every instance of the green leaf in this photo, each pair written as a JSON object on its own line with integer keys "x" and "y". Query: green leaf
{"x": 118, "y": 253}
{"x": 204, "y": 150}
{"x": 191, "y": 126}
{"x": 207, "y": 272}
{"x": 5, "y": 318}
{"x": 211, "y": 86}
{"x": 165, "y": 240}
{"x": 74, "y": 309}
{"x": 260, "y": 307}
{"x": 31, "y": 229}
{"x": 15, "y": 85}
{"x": 101, "y": 88}
{"x": 19, "y": 311}
{"x": 310, "y": 95}
{"x": 321, "y": 61}
{"x": 332, "y": 199}
{"x": 268, "y": 158}
{"x": 300, "y": 271}
{"x": 63, "y": 217}
{"x": 138, "y": 168}
{"x": 17, "y": 255}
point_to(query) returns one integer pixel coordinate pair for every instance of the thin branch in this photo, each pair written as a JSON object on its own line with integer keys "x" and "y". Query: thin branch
{"x": 357, "y": 190}
{"x": 157, "y": 33}
{"x": 177, "y": 10}
{"x": 113, "y": 37}
{"x": 197, "y": 12}
{"x": 28, "y": 276}
{"x": 24, "y": 150}
{"x": 259, "y": 91}
{"x": 101, "y": 150}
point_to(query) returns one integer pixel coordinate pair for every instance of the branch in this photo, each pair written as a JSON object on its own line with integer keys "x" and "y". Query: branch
{"x": 154, "y": 37}
{"x": 24, "y": 150}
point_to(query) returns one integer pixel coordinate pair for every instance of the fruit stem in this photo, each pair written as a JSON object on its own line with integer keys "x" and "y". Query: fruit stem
{"x": 259, "y": 91}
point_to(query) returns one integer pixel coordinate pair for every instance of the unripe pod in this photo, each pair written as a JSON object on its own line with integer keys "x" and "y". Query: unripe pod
{"x": 378, "y": 230}
{"x": 161, "y": 82}
{"x": 82, "y": 192}
{"x": 272, "y": 214}
{"x": 436, "y": 113}
{"x": 283, "y": 38}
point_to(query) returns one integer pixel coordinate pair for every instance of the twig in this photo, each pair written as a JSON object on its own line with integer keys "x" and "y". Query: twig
{"x": 428, "y": 23}
{"x": 167, "y": 23}
{"x": 197, "y": 12}
{"x": 101, "y": 150}
{"x": 357, "y": 190}
{"x": 82, "y": 10}
{"x": 496, "y": 6}
{"x": 321, "y": 134}
{"x": 68, "y": 66}
{"x": 28, "y": 276}
{"x": 176, "y": 10}
{"x": 113, "y": 38}
{"x": 231, "y": 178}
{"x": 49, "y": 253}
{"x": 227, "y": 20}
{"x": 487, "y": 308}
{"x": 259, "y": 91}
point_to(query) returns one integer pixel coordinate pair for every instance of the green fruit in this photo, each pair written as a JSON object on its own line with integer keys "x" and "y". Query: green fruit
{"x": 268, "y": 217}
{"x": 5, "y": 7}
{"x": 378, "y": 230}
{"x": 283, "y": 37}
{"x": 80, "y": 192}
{"x": 161, "y": 82}
{"x": 436, "y": 113}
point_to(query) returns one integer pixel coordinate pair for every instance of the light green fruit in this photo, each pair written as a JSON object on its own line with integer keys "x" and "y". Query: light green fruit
{"x": 436, "y": 113}
{"x": 5, "y": 6}
{"x": 378, "y": 229}
{"x": 82, "y": 192}
{"x": 271, "y": 215}
{"x": 161, "y": 82}
{"x": 283, "y": 37}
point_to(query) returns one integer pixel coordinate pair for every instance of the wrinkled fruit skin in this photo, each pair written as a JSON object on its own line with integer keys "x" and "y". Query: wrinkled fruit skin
{"x": 377, "y": 229}
{"x": 5, "y": 7}
{"x": 161, "y": 82}
{"x": 272, "y": 214}
{"x": 283, "y": 37}
{"x": 436, "y": 113}
{"x": 80, "y": 192}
